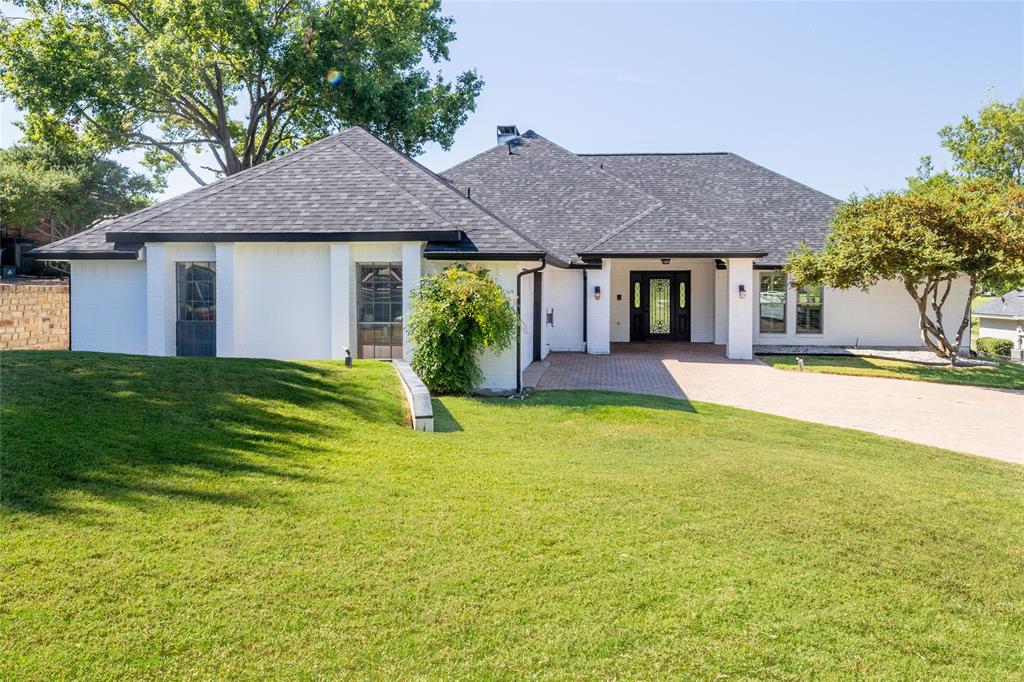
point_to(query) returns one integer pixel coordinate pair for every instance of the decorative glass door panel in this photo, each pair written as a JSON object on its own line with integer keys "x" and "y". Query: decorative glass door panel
{"x": 379, "y": 305}
{"x": 660, "y": 299}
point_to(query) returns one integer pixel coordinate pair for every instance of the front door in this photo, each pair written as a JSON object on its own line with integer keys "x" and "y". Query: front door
{"x": 659, "y": 306}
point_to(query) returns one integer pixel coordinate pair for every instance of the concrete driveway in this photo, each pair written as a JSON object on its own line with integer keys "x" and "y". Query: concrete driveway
{"x": 980, "y": 421}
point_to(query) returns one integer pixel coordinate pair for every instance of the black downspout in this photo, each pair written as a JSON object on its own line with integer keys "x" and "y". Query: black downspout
{"x": 519, "y": 327}
{"x": 584, "y": 310}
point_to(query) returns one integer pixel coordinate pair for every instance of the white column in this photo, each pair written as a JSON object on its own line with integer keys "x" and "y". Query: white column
{"x": 225, "y": 257}
{"x": 412, "y": 272}
{"x": 740, "y": 344}
{"x": 341, "y": 290}
{"x": 599, "y": 317}
{"x": 160, "y": 336}
{"x": 721, "y": 306}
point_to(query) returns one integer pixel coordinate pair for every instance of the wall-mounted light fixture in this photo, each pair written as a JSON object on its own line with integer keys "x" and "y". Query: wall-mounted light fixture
{"x": 597, "y": 293}
{"x": 666, "y": 261}
{"x": 743, "y": 291}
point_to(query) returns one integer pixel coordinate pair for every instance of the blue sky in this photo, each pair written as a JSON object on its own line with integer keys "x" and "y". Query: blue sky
{"x": 845, "y": 97}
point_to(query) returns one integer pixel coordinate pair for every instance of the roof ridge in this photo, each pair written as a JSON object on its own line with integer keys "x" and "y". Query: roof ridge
{"x": 390, "y": 179}
{"x": 621, "y": 228}
{"x": 448, "y": 185}
{"x": 230, "y": 181}
{"x": 657, "y": 154}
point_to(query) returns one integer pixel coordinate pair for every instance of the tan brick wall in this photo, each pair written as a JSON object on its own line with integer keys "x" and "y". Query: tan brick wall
{"x": 34, "y": 314}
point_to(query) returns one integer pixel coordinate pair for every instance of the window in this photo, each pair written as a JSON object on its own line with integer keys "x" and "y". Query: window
{"x": 379, "y": 304}
{"x": 636, "y": 295}
{"x": 682, "y": 295}
{"x": 808, "y": 309}
{"x": 196, "y": 328}
{"x": 772, "y": 303}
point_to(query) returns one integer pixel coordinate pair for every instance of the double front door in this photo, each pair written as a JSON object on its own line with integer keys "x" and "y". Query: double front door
{"x": 659, "y": 306}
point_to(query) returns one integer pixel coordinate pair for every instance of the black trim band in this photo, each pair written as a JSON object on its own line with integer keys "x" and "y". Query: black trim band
{"x": 84, "y": 255}
{"x": 389, "y": 236}
{"x": 689, "y": 254}
{"x": 476, "y": 255}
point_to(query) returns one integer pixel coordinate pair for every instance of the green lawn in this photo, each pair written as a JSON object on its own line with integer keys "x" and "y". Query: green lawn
{"x": 1001, "y": 375}
{"x": 217, "y": 519}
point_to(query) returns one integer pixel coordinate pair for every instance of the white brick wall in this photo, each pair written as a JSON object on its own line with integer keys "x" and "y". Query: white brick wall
{"x": 108, "y": 306}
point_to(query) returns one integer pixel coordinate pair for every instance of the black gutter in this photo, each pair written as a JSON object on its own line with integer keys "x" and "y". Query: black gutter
{"x": 476, "y": 255}
{"x": 519, "y": 326}
{"x": 125, "y": 237}
{"x": 584, "y": 310}
{"x": 83, "y": 255}
{"x": 679, "y": 254}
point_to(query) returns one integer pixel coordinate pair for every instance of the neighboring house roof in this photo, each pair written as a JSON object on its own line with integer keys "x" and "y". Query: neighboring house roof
{"x": 594, "y": 205}
{"x": 1010, "y": 304}
{"x": 553, "y": 196}
{"x": 350, "y": 186}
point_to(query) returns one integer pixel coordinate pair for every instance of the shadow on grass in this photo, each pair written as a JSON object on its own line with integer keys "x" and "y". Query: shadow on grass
{"x": 127, "y": 428}
{"x": 444, "y": 420}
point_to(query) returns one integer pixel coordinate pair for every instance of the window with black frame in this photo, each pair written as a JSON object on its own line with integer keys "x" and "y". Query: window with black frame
{"x": 772, "y": 302}
{"x": 196, "y": 329}
{"x": 379, "y": 306}
{"x": 809, "y": 304}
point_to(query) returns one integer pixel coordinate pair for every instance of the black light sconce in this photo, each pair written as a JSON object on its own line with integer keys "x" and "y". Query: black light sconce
{"x": 597, "y": 293}
{"x": 551, "y": 317}
{"x": 720, "y": 264}
{"x": 743, "y": 291}
{"x": 666, "y": 261}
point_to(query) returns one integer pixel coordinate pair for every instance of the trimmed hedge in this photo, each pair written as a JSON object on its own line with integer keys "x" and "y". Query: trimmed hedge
{"x": 993, "y": 346}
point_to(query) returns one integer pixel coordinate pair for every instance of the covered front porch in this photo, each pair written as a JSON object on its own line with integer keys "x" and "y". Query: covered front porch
{"x": 678, "y": 298}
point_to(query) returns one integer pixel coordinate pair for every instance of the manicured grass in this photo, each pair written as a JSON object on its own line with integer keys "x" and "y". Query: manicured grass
{"x": 1002, "y": 375}
{"x": 218, "y": 519}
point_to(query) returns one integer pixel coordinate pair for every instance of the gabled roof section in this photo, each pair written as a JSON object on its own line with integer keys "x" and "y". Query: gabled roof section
{"x": 347, "y": 187}
{"x": 715, "y": 204}
{"x": 1010, "y": 304}
{"x": 554, "y": 197}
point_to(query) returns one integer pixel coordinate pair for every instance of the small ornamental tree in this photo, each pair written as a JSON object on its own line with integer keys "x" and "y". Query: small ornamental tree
{"x": 926, "y": 237}
{"x": 456, "y": 314}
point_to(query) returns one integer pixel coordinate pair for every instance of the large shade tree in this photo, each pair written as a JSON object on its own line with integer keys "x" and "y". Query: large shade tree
{"x": 245, "y": 80}
{"x": 49, "y": 192}
{"x": 991, "y": 145}
{"x": 927, "y": 237}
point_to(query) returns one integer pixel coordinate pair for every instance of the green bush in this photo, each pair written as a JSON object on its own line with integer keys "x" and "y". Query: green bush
{"x": 456, "y": 314}
{"x": 992, "y": 346}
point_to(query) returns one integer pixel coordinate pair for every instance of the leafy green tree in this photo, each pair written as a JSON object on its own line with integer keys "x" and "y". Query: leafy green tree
{"x": 51, "y": 192}
{"x": 926, "y": 237}
{"x": 992, "y": 145}
{"x": 456, "y": 314}
{"x": 245, "y": 79}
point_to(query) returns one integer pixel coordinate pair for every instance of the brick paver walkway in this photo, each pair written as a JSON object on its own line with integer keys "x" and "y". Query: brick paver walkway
{"x": 971, "y": 419}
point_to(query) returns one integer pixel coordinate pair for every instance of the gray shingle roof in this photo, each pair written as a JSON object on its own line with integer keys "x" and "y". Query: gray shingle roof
{"x": 653, "y": 204}
{"x": 350, "y": 185}
{"x": 556, "y": 198}
{"x": 716, "y": 202}
{"x": 1010, "y": 304}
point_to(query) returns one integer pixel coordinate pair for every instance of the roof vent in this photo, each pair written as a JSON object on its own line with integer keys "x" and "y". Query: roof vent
{"x": 507, "y": 133}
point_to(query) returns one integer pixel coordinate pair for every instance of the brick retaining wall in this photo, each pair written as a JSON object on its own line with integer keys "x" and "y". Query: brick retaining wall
{"x": 34, "y": 314}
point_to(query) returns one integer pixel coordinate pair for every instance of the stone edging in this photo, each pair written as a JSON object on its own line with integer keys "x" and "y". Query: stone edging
{"x": 416, "y": 396}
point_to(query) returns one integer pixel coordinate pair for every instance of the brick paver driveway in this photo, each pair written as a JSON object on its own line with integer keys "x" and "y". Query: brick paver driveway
{"x": 981, "y": 421}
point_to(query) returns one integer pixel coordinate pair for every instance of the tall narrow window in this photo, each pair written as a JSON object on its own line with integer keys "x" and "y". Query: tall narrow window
{"x": 808, "y": 309}
{"x": 772, "y": 303}
{"x": 196, "y": 331}
{"x": 379, "y": 304}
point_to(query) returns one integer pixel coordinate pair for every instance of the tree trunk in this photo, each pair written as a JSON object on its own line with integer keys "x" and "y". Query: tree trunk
{"x": 933, "y": 333}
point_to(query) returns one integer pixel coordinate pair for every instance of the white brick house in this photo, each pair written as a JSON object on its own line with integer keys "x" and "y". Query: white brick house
{"x": 319, "y": 250}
